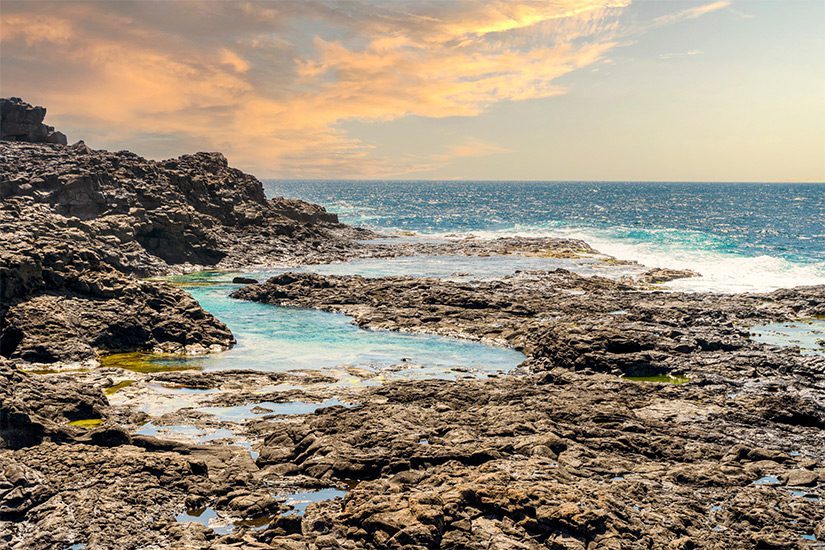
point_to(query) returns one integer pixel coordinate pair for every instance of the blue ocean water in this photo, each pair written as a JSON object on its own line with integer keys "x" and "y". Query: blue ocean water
{"x": 739, "y": 236}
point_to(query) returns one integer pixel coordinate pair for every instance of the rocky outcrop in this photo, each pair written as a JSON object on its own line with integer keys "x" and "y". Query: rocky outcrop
{"x": 64, "y": 295}
{"x": 76, "y": 224}
{"x": 32, "y": 410}
{"x": 193, "y": 210}
{"x": 19, "y": 121}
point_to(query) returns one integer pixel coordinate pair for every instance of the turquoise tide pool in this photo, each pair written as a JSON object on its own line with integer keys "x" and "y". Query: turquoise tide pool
{"x": 273, "y": 338}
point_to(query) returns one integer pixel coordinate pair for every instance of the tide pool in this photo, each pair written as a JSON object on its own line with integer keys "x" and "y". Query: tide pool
{"x": 806, "y": 334}
{"x": 274, "y": 338}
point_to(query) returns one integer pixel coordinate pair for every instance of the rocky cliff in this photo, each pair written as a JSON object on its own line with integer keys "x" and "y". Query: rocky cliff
{"x": 76, "y": 226}
{"x": 20, "y": 121}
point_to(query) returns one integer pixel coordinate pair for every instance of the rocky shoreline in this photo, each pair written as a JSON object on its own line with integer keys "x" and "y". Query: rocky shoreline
{"x": 641, "y": 418}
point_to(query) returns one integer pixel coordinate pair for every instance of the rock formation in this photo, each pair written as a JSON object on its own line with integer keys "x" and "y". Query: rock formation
{"x": 76, "y": 224}
{"x": 19, "y": 121}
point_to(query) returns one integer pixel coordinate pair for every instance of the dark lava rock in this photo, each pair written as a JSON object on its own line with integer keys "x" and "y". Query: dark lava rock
{"x": 194, "y": 209}
{"x": 585, "y": 462}
{"x": 32, "y": 409}
{"x": 19, "y": 121}
{"x": 244, "y": 280}
{"x": 63, "y": 298}
{"x": 77, "y": 224}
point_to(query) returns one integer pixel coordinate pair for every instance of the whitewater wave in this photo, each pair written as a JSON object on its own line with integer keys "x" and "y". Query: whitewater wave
{"x": 720, "y": 270}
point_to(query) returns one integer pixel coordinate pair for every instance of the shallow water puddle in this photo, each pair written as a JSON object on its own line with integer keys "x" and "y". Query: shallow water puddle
{"x": 300, "y": 501}
{"x": 239, "y": 413}
{"x": 273, "y": 338}
{"x": 162, "y": 399}
{"x": 807, "y": 334}
{"x": 200, "y": 436}
{"x": 207, "y": 517}
{"x": 767, "y": 480}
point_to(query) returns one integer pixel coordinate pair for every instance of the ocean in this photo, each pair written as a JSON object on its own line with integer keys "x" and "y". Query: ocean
{"x": 738, "y": 236}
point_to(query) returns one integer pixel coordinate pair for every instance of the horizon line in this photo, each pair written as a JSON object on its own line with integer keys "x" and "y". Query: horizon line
{"x": 473, "y": 180}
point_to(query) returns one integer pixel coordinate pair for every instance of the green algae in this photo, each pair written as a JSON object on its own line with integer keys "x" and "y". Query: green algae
{"x": 147, "y": 363}
{"x": 119, "y": 386}
{"x": 87, "y": 423}
{"x": 659, "y": 379}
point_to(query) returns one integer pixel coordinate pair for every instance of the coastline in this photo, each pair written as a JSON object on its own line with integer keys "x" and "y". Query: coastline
{"x": 640, "y": 417}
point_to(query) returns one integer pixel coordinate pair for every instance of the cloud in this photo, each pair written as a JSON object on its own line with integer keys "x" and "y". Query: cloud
{"x": 238, "y": 64}
{"x": 679, "y": 55}
{"x": 270, "y": 84}
{"x": 691, "y": 13}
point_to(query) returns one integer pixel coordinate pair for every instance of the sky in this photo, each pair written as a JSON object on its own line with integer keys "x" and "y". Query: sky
{"x": 711, "y": 90}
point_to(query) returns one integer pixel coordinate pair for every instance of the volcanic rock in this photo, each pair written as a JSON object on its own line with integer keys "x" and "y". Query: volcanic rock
{"x": 19, "y": 121}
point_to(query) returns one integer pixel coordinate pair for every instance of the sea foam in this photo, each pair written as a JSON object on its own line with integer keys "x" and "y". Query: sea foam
{"x": 720, "y": 271}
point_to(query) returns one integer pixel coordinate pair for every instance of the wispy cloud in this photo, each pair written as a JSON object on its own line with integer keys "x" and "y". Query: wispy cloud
{"x": 679, "y": 55}
{"x": 270, "y": 84}
{"x": 691, "y": 13}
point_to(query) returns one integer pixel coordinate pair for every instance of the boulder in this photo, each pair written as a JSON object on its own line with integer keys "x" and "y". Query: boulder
{"x": 20, "y": 121}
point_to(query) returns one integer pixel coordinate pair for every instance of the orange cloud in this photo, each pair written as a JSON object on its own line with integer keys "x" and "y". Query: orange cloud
{"x": 246, "y": 79}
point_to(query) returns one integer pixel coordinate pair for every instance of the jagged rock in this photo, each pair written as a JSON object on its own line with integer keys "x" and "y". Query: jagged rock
{"x": 535, "y": 465}
{"x": 33, "y": 409}
{"x": 19, "y": 121}
{"x": 75, "y": 224}
{"x": 660, "y": 275}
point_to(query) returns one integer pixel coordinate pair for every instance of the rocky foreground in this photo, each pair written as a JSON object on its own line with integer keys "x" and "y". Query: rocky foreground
{"x": 722, "y": 445}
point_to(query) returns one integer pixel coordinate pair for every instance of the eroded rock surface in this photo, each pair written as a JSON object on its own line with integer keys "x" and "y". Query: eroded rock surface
{"x": 20, "y": 121}
{"x": 558, "y": 461}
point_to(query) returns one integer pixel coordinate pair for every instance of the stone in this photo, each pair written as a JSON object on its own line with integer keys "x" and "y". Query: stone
{"x": 801, "y": 478}
{"x": 19, "y": 121}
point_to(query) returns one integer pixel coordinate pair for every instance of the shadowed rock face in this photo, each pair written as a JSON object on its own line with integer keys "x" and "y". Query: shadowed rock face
{"x": 194, "y": 209}
{"x": 19, "y": 121}
{"x": 32, "y": 409}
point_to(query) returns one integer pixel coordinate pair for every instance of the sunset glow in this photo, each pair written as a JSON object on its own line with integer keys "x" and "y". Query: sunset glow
{"x": 325, "y": 89}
